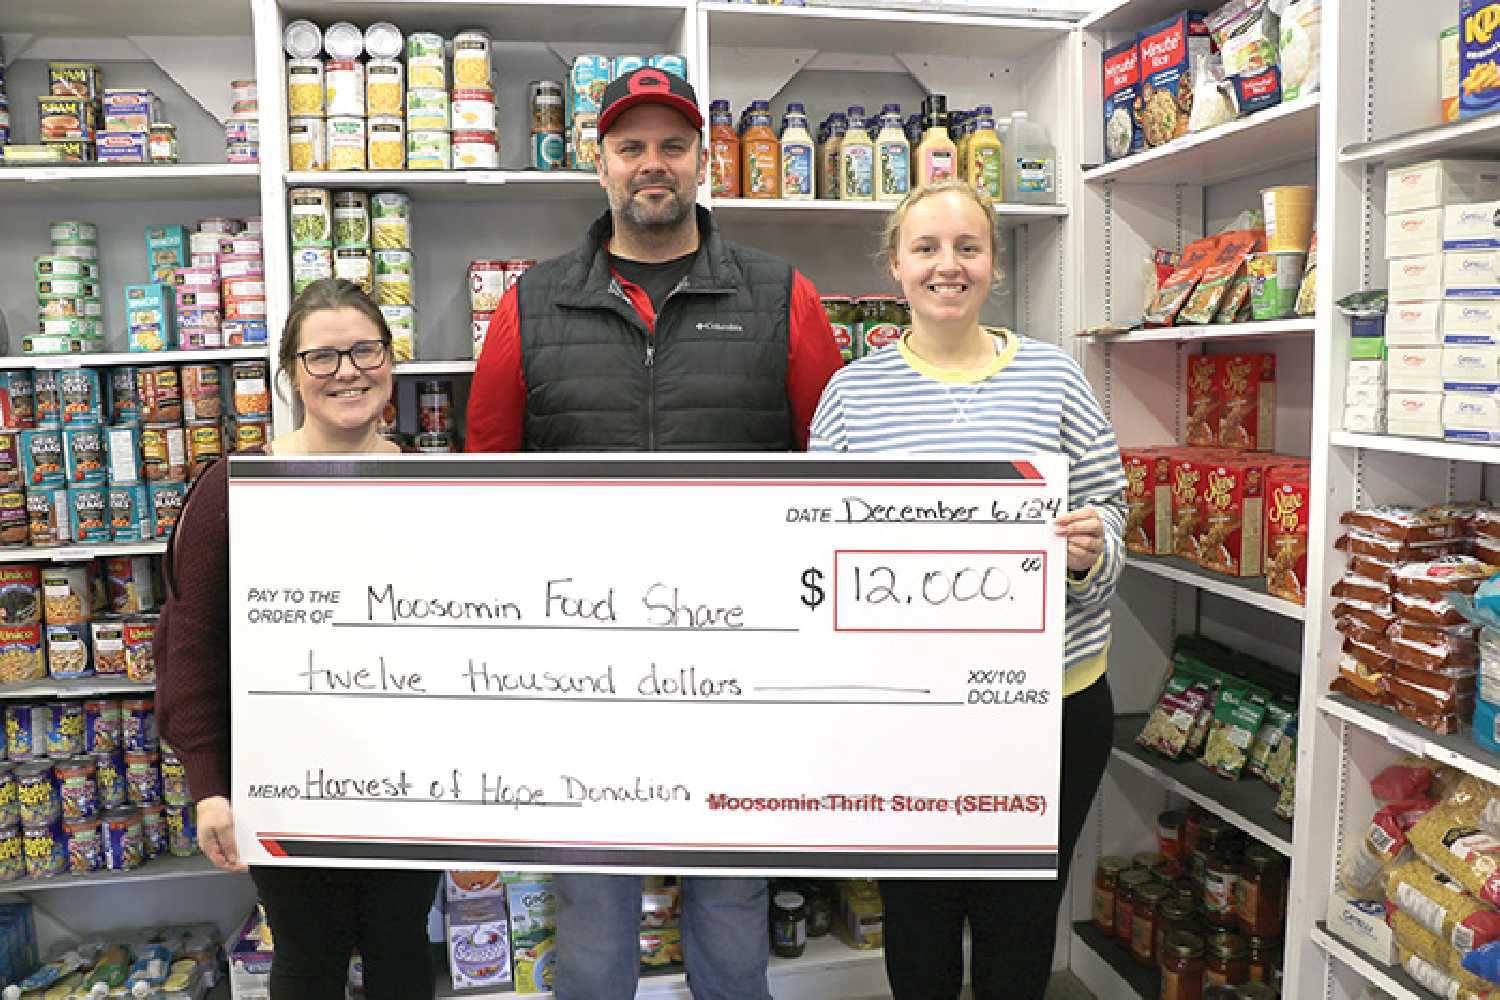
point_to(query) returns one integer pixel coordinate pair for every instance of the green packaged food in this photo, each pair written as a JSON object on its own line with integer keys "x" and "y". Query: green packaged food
{"x": 1238, "y": 715}
{"x": 1272, "y": 732}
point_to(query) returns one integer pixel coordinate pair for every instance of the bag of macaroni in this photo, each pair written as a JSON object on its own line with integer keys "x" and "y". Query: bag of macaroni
{"x": 1478, "y": 57}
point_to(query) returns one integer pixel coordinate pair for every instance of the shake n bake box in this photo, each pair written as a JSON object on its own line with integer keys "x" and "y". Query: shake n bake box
{"x": 1478, "y": 57}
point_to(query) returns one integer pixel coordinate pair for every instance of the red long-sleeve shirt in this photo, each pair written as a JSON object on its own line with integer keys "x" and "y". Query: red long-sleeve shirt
{"x": 497, "y": 396}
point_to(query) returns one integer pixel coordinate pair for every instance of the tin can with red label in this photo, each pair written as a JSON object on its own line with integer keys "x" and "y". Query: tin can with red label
{"x": 514, "y": 269}
{"x": 17, "y": 400}
{"x": 160, "y": 392}
{"x": 486, "y": 284}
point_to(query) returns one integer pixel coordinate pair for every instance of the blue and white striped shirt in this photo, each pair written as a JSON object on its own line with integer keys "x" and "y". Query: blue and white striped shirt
{"x": 1032, "y": 399}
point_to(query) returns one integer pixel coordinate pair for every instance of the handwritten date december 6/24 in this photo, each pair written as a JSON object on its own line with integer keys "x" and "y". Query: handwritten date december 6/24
{"x": 856, "y": 510}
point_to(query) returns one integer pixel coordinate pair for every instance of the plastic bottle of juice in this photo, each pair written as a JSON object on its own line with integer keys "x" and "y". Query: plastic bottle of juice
{"x": 857, "y": 159}
{"x": 893, "y": 157}
{"x": 797, "y": 155}
{"x": 986, "y": 159}
{"x": 723, "y": 152}
{"x": 966, "y": 143}
{"x": 937, "y": 156}
{"x": 1030, "y": 163}
{"x": 828, "y": 157}
{"x": 760, "y": 152}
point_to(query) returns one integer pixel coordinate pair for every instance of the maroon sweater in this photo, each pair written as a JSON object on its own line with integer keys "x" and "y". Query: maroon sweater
{"x": 192, "y": 638}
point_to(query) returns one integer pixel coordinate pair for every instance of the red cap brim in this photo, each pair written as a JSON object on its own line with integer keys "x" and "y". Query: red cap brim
{"x": 681, "y": 105}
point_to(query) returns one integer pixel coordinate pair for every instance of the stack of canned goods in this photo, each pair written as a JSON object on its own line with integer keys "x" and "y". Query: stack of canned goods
{"x": 88, "y": 786}
{"x": 70, "y": 310}
{"x": 489, "y": 280}
{"x": 865, "y": 324}
{"x": 209, "y": 289}
{"x": 241, "y": 128}
{"x": 79, "y": 620}
{"x": 587, "y": 78}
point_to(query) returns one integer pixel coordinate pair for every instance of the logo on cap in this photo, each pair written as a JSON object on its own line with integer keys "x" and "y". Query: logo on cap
{"x": 649, "y": 81}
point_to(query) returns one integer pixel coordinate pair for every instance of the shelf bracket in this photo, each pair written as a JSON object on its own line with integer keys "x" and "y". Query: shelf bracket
{"x": 966, "y": 82}
{"x": 742, "y": 75}
{"x": 204, "y": 68}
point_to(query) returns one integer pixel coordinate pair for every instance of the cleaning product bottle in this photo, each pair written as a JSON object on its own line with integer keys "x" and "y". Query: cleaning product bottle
{"x": 986, "y": 159}
{"x": 893, "y": 153}
{"x": 828, "y": 159}
{"x": 1030, "y": 163}
{"x": 937, "y": 156}
{"x": 797, "y": 155}
{"x": 723, "y": 152}
{"x": 761, "y": 154}
{"x": 857, "y": 159}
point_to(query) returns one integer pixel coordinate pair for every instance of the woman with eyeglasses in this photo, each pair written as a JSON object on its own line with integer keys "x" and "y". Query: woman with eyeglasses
{"x": 336, "y": 357}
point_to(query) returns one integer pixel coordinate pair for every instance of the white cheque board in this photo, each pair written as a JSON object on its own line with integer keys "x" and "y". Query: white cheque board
{"x": 716, "y": 665}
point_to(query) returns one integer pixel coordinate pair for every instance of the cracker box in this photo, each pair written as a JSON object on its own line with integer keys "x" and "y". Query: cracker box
{"x": 1471, "y": 274}
{"x": 167, "y": 251}
{"x": 1148, "y": 500}
{"x": 1411, "y": 234}
{"x": 1414, "y": 324}
{"x": 1287, "y": 518}
{"x": 1248, "y": 420}
{"x": 1122, "y": 95}
{"x": 1170, "y": 50}
{"x": 1478, "y": 57}
{"x": 1471, "y": 416}
{"x": 533, "y": 930}
{"x": 1205, "y": 400}
{"x": 1187, "y": 509}
{"x": 1471, "y": 368}
{"x": 1231, "y": 534}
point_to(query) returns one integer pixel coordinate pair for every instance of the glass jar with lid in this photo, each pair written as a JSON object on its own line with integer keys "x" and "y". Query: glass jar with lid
{"x": 1174, "y": 916}
{"x": 1169, "y": 838}
{"x": 1145, "y": 917}
{"x": 1146, "y": 860}
{"x": 1265, "y": 957}
{"x": 1211, "y": 829}
{"x": 1221, "y": 878}
{"x": 1182, "y": 967}
{"x": 1106, "y": 887}
{"x": 1262, "y": 891}
{"x": 1227, "y": 961}
{"x": 1131, "y": 880}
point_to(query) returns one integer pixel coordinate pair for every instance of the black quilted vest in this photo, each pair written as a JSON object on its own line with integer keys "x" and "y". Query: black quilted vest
{"x": 712, "y": 379}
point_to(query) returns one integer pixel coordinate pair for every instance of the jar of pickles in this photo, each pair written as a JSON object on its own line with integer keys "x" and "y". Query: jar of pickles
{"x": 1145, "y": 918}
{"x": 1106, "y": 888}
{"x": 1182, "y": 967}
{"x": 1227, "y": 962}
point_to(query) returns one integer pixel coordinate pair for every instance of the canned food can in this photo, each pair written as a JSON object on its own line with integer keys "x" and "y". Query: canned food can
{"x": 471, "y": 59}
{"x": 154, "y": 829}
{"x": 587, "y": 78}
{"x": 52, "y": 266}
{"x": 142, "y": 775}
{"x": 124, "y": 840}
{"x": 479, "y": 326}
{"x": 307, "y": 144}
{"x": 122, "y": 447}
{"x": 387, "y": 142}
{"x": 159, "y": 388}
{"x": 163, "y": 453}
{"x": 17, "y": 400}
{"x": 77, "y": 789}
{"x": 62, "y": 233}
{"x": 49, "y": 288}
{"x": 15, "y": 524}
{"x": 473, "y": 110}
{"x": 545, "y": 99}
{"x": 549, "y": 151}
{"x": 622, "y": 65}
{"x": 402, "y": 322}
{"x": 80, "y": 251}
{"x": 670, "y": 62}
{"x": 167, "y": 499}
{"x": 140, "y": 653}
{"x": 205, "y": 444}
{"x": 42, "y": 458}
{"x": 310, "y": 264}
{"x": 47, "y": 515}
{"x": 138, "y": 725}
{"x": 426, "y": 65}
{"x": 110, "y": 776}
{"x": 68, "y": 651}
{"x": 383, "y": 41}
{"x": 10, "y": 809}
{"x": 342, "y": 40}
{"x": 128, "y": 585}
{"x": 244, "y": 332}
{"x": 12, "y": 859}
{"x": 130, "y": 513}
{"x": 124, "y": 396}
{"x": 83, "y": 845}
{"x": 43, "y": 846}
{"x": 302, "y": 39}
{"x": 427, "y": 108}
{"x": 250, "y": 388}
{"x": 88, "y": 507}
{"x": 346, "y": 143}
{"x": 22, "y": 741}
{"x": 202, "y": 392}
{"x": 67, "y": 594}
{"x": 585, "y": 141}
{"x": 21, "y": 654}
{"x": 101, "y": 726}
{"x": 83, "y": 449}
{"x": 304, "y": 88}
{"x": 353, "y": 264}
{"x": 435, "y": 406}
{"x": 476, "y": 151}
{"x": 344, "y": 87}
{"x": 251, "y": 433}
{"x": 107, "y": 634}
{"x": 434, "y": 443}
{"x": 46, "y": 399}
{"x": 10, "y": 459}
{"x": 395, "y": 279}
{"x": 36, "y": 794}
{"x": 486, "y": 284}
{"x": 429, "y": 149}
{"x": 182, "y": 831}
{"x": 390, "y": 213}
{"x": 514, "y": 269}
{"x": 241, "y": 266}
{"x": 174, "y": 786}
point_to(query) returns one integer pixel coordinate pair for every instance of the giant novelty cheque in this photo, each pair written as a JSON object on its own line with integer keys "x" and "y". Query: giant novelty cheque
{"x": 722, "y": 665}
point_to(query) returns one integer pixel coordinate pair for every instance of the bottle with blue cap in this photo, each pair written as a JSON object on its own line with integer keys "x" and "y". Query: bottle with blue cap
{"x": 798, "y": 154}
{"x": 857, "y": 159}
{"x": 893, "y": 153}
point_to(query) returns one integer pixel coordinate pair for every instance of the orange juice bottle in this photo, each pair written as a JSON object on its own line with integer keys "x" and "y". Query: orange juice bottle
{"x": 723, "y": 152}
{"x": 760, "y": 151}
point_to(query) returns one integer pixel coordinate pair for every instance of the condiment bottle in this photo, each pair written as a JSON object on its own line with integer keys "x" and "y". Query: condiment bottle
{"x": 1030, "y": 163}
{"x": 857, "y": 160}
{"x": 1262, "y": 888}
{"x": 986, "y": 159}
{"x": 937, "y": 156}
{"x": 797, "y": 155}
{"x": 723, "y": 152}
{"x": 828, "y": 158}
{"x": 1182, "y": 967}
{"x": 760, "y": 153}
{"x": 893, "y": 176}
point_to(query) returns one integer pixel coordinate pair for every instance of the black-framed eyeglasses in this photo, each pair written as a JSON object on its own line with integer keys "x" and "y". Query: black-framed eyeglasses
{"x": 364, "y": 355}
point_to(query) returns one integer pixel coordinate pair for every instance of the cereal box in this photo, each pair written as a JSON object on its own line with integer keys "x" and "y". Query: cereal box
{"x": 1287, "y": 518}
{"x": 1122, "y": 95}
{"x": 1232, "y": 514}
{"x": 1187, "y": 478}
{"x": 1478, "y": 57}
{"x": 1248, "y": 420}
{"x": 1148, "y": 500}
{"x": 1169, "y": 52}
{"x": 1205, "y": 400}
{"x": 533, "y": 930}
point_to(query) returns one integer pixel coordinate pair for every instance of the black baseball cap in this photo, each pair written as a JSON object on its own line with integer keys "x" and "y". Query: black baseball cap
{"x": 648, "y": 85}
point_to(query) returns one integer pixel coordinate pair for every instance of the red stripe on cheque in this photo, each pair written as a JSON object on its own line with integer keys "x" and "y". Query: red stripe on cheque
{"x": 273, "y": 848}
{"x": 1028, "y": 471}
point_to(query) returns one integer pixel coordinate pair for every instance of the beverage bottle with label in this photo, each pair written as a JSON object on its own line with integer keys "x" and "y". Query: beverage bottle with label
{"x": 828, "y": 157}
{"x": 966, "y": 141}
{"x": 723, "y": 152}
{"x": 893, "y": 155}
{"x": 857, "y": 160}
{"x": 760, "y": 169}
{"x": 986, "y": 159}
{"x": 1030, "y": 163}
{"x": 797, "y": 155}
{"x": 937, "y": 156}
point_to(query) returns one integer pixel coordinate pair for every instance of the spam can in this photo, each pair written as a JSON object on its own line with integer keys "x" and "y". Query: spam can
{"x": 84, "y": 455}
{"x": 130, "y": 513}
{"x": 88, "y": 508}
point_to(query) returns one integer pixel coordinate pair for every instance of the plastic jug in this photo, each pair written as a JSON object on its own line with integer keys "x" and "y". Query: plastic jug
{"x": 1030, "y": 163}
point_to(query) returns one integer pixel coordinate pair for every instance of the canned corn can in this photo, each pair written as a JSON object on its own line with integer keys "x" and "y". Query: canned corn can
{"x": 426, "y": 64}
{"x": 344, "y": 87}
{"x": 109, "y": 774}
{"x": 387, "y": 142}
{"x": 83, "y": 845}
{"x": 384, "y": 87}
{"x": 395, "y": 277}
{"x": 182, "y": 831}
{"x": 427, "y": 108}
{"x": 305, "y": 88}
{"x": 307, "y": 143}
{"x": 471, "y": 59}
{"x": 346, "y": 143}
{"x": 124, "y": 846}
{"x": 43, "y": 846}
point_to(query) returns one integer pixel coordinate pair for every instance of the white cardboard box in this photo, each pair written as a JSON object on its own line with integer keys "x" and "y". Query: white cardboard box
{"x": 1467, "y": 273}
{"x": 1471, "y": 411}
{"x": 1363, "y": 419}
{"x": 1471, "y": 367}
{"x": 1411, "y": 234}
{"x": 1365, "y": 372}
{"x": 1414, "y": 414}
{"x": 1467, "y": 227}
{"x": 1441, "y": 182}
{"x": 1471, "y": 321}
{"x": 1361, "y": 924}
{"x": 1365, "y": 395}
{"x": 1415, "y": 324}
{"x": 1416, "y": 278}
{"x": 1414, "y": 369}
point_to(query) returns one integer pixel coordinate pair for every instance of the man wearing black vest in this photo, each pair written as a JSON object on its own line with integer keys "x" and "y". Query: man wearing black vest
{"x": 657, "y": 334}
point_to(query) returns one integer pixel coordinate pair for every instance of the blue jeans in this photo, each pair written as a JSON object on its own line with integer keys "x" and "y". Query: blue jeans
{"x": 724, "y": 937}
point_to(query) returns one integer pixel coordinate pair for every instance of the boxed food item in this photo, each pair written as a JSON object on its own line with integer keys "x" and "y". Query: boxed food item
{"x": 130, "y": 110}
{"x": 661, "y": 946}
{"x": 1414, "y": 369}
{"x": 1288, "y": 496}
{"x": 1414, "y": 324}
{"x": 1122, "y": 94}
{"x": 66, "y": 118}
{"x": 473, "y": 885}
{"x": 1248, "y": 421}
{"x": 1148, "y": 499}
{"x": 1473, "y": 226}
{"x": 1248, "y": 35}
{"x": 1471, "y": 274}
{"x": 1478, "y": 57}
{"x": 1232, "y": 520}
{"x": 1364, "y": 418}
{"x": 166, "y": 250}
{"x": 533, "y": 929}
{"x": 1205, "y": 399}
{"x": 478, "y": 953}
{"x": 1362, "y": 923}
{"x": 122, "y": 147}
{"x": 1448, "y": 72}
{"x": 1471, "y": 321}
{"x": 1414, "y": 414}
{"x": 1441, "y": 182}
{"x": 1416, "y": 277}
{"x": 150, "y": 317}
{"x": 1471, "y": 367}
{"x": 1187, "y": 507}
{"x": 1170, "y": 53}
{"x": 1412, "y": 234}
{"x": 1471, "y": 416}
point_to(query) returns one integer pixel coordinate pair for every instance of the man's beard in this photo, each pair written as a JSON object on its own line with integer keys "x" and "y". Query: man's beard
{"x": 665, "y": 214}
